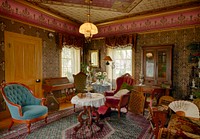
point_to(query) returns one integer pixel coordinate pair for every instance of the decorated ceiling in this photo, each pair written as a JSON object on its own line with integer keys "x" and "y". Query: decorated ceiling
{"x": 112, "y": 17}
{"x": 109, "y": 10}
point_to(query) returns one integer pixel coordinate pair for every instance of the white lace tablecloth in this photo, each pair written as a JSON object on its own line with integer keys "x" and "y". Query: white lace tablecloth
{"x": 96, "y": 100}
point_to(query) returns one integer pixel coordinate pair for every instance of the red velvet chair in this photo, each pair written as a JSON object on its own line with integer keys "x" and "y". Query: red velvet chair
{"x": 124, "y": 82}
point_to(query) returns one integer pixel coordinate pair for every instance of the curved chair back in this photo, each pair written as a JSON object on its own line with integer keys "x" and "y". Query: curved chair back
{"x": 80, "y": 82}
{"x": 124, "y": 82}
{"x": 126, "y": 78}
{"x": 18, "y": 94}
{"x": 24, "y": 107}
{"x": 166, "y": 100}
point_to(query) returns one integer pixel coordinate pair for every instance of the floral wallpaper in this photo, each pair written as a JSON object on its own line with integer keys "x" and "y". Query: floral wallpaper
{"x": 50, "y": 53}
{"x": 181, "y": 67}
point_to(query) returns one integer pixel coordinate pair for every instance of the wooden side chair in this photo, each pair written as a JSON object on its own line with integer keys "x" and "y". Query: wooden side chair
{"x": 79, "y": 83}
{"x": 166, "y": 100}
{"x": 157, "y": 120}
{"x": 136, "y": 103}
{"x": 24, "y": 107}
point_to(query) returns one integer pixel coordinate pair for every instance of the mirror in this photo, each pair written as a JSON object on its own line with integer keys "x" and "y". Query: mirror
{"x": 94, "y": 58}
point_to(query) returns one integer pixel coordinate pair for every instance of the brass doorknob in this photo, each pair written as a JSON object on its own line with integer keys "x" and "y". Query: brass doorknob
{"x": 37, "y": 80}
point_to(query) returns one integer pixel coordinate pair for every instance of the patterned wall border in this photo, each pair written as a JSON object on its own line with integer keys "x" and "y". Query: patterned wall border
{"x": 170, "y": 20}
{"x": 176, "y": 19}
{"x": 25, "y": 13}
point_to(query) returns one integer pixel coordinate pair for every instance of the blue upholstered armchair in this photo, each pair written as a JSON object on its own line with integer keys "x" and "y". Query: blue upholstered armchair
{"x": 24, "y": 107}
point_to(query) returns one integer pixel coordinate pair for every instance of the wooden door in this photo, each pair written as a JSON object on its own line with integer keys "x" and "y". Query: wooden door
{"x": 23, "y": 61}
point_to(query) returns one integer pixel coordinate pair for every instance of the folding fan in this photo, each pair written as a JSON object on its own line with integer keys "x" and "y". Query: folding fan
{"x": 189, "y": 108}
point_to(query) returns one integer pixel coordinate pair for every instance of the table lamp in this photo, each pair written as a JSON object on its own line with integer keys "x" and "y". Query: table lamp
{"x": 107, "y": 59}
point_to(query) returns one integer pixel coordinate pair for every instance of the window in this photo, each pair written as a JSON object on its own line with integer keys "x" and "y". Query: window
{"x": 70, "y": 58}
{"x": 122, "y": 62}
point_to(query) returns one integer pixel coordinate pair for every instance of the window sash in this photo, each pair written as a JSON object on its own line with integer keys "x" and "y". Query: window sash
{"x": 121, "y": 64}
{"x": 70, "y": 62}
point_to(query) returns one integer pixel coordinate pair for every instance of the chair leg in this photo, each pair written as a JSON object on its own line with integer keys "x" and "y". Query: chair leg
{"x": 126, "y": 109}
{"x": 11, "y": 124}
{"x": 29, "y": 127}
{"x": 118, "y": 112}
{"x": 45, "y": 120}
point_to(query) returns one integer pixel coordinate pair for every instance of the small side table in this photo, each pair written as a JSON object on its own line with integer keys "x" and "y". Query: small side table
{"x": 90, "y": 104}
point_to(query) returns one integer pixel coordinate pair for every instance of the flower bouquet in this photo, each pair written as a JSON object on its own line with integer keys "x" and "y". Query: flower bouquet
{"x": 101, "y": 76}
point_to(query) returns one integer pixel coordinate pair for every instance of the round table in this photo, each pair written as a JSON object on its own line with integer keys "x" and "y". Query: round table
{"x": 90, "y": 102}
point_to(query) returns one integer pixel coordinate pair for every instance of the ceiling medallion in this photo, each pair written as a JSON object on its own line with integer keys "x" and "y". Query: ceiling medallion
{"x": 88, "y": 28}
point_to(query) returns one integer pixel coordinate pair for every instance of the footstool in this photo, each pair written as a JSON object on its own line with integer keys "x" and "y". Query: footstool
{"x": 104, "y": 111}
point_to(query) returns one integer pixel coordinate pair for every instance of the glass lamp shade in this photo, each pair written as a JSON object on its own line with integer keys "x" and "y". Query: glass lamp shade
{"x": 88, "y": 29}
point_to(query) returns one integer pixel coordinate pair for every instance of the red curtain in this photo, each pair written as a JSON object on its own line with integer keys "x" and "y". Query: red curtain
{"x": 66, "y": 39}
{"x": 117, "y": 41}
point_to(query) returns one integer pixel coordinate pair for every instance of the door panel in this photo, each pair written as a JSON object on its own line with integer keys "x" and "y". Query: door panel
{"x": 23, "y": 60}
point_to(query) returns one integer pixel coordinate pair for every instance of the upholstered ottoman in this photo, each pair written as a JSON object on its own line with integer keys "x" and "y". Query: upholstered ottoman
{"x": 104, "y": 111}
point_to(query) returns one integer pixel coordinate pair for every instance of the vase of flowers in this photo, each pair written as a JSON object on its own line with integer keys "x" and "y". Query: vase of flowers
{"x": 101, "y": 76}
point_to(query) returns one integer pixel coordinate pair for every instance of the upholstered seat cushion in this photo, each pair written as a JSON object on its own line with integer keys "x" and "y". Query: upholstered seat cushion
{"x": 121, "y": 92}
{"x": 104, "y": 110}
{"x": 112, "y": 100}
{"x": 32, "y": 111}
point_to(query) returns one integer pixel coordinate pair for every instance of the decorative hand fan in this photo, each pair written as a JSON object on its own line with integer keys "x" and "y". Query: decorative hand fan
{"x": 189, "y": 108}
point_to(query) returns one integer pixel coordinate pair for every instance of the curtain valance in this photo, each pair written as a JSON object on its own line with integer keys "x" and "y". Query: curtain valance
{"x": 70, "y": 40}
{"x": 121, "y": 41}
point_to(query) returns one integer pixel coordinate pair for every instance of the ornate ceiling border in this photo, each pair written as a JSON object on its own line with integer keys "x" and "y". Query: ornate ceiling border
{"x": 178, "y": 19}
{"x": 25, "y": 13}
{"x": 39, "y": 17}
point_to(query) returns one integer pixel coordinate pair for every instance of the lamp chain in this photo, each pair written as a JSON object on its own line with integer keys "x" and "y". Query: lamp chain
{"x": 89, "y": 8}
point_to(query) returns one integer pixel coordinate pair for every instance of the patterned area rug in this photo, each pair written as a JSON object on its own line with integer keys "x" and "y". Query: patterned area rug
{"x": 60, "y": 126}
{"x": 86, "y": 133}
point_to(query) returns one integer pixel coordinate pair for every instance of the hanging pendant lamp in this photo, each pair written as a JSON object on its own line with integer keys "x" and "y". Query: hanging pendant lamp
{"x": 88, "y": 28}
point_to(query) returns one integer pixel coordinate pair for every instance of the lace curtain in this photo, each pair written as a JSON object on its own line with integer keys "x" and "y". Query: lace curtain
{"x": 70, "y": 60}
{"x": 121, "y": 64}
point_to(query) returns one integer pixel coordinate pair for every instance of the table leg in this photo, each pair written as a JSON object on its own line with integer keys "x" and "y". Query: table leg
{"x": 96, "y": 119}
{"x": 92, "y": 117}
{"x": 80, "y": 119}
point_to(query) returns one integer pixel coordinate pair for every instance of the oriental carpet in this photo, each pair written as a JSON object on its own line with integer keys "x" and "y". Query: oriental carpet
{"x": 61, "y": 123}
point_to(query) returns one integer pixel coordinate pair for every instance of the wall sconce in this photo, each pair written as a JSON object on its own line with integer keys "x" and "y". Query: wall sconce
{"x": 107, "y": 59}
{"x": 50, "y": 36}
{"x": 149, "y": 55}
{"x": 3, "y": 26}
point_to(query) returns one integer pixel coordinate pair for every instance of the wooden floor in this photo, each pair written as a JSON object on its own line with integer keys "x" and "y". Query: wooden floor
{"x": 4, "y": 124}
